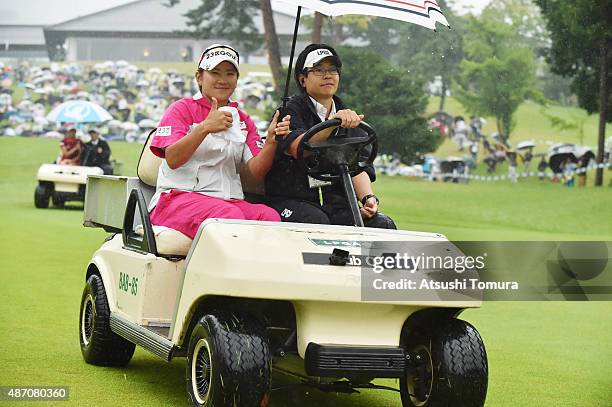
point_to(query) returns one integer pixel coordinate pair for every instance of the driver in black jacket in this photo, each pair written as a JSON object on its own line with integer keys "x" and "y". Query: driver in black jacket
{"x": 290, "y": 191}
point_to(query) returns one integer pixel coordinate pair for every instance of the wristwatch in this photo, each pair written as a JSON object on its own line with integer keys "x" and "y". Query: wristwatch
{"x": 368, "y": 196}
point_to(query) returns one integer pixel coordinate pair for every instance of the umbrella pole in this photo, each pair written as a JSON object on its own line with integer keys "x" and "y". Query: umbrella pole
{"x": 295, "y": 33}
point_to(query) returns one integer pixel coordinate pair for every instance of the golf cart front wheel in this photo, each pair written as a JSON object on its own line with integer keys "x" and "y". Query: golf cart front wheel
{"x": 448, "y": 367}
{"x": 41, "y": 196}
{"x": 228, "y": 362}
{"x": 99, "y": 345}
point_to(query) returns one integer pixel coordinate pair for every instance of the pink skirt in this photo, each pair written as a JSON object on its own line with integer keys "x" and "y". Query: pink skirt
{"x": 185, "y": 211}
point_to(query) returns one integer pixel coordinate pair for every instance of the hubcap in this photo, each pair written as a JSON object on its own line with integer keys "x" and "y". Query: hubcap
{"x": 201, "y": 371}
{"x": 419, "y": 379}
{"x": 87, "y": 320}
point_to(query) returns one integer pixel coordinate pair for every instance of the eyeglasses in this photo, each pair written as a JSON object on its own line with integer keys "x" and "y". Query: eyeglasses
{"x": 320, "y": 72}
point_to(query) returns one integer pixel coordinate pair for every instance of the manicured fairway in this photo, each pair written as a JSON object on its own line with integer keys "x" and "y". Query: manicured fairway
{"x": 540, "y": 354}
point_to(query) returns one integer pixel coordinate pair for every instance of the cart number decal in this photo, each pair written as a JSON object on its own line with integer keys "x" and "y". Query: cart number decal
{"x": 128, "y": 284}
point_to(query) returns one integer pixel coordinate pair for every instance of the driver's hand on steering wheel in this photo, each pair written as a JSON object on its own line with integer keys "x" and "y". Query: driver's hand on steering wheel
{"x": 349, "y": 118}
{"x": 370, "y": 208}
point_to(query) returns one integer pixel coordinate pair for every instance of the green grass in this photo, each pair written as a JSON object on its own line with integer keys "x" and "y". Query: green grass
{"x": 540, "y": 353}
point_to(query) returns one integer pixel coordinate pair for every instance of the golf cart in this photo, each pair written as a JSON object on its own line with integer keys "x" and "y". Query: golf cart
{"x": 248, "y": 297}
{"x": 62, "y": 183}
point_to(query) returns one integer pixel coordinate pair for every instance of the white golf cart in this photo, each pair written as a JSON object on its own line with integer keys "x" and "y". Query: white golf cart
{"x": 246, "y": 297}
{"x": 62, "y": 183}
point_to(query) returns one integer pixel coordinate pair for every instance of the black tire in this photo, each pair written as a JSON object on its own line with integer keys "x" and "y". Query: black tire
{"x": 57, "y": 200}
{"x": 41, "y": 196}
{"x": 228, "y": 362}
{"x": 451, "y": 367}
{"x": 99, "y": 345}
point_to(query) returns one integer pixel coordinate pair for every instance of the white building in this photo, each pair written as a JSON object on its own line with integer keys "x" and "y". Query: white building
{"x": 137, "y": 30}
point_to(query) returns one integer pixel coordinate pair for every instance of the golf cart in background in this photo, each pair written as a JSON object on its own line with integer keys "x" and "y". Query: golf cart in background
{"x": 236, "y": 314}
{"x": 62, "y": 183}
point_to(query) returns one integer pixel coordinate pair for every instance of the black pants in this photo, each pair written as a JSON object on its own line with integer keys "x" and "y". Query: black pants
{"x": 299, "y": 211}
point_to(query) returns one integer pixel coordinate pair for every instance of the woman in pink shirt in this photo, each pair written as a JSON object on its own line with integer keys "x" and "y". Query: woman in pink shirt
{"x": 205, "y": 141}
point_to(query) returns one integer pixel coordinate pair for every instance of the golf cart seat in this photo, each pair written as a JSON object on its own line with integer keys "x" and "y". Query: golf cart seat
{"x": 168, "y": 241}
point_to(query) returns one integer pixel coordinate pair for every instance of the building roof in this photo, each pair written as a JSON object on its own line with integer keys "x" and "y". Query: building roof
{"x": 23, "y": 35}
{"x": 148, "y": 16}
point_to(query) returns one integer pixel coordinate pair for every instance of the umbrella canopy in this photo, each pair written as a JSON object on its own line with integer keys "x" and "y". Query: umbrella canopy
{"x": 425, "y": 12}
{"x": 524, "y": 145}
{"x": 147, "y": 124}
{"x": 79, "y": 111}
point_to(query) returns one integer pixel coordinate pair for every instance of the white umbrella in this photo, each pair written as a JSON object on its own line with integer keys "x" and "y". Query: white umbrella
{"x": 424, "y": 12}
{"x": 79, "y": 111}
{"x": 524, "y": 145}
{"x": 53, "y": 134}
{"x": 129, "y": 126}
{"x": 147, "y": 124}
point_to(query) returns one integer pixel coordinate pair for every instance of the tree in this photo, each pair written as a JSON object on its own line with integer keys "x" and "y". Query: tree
{"x": 429, "y": 55}
{"x": 568, "y": 122}
{"x": 525, "y": 19}
{"x": 317, "y": 28}
{"x": 393, "y": 102}
{"x": 272, "y": 45}
{"x": 581, "y": 49}
{"x": 527, "y": 22}
{"x": 233, "y": 20}
{"x": 497, "y": 74}
{"x": 229, "y": 19}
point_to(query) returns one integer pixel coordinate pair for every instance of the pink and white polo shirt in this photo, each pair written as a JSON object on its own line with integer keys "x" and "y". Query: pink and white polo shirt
{"x": 214, "y": 168}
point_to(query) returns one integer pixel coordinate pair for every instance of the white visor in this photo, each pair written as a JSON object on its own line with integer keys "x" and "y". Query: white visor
{"x": 314, "y": 57}
{"x": 216, "y": 54}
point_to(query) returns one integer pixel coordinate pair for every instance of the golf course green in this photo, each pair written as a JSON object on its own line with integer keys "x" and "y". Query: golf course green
{"x": 540, "y": 353}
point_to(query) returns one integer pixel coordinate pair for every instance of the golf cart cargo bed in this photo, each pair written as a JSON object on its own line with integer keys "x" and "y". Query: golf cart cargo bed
{"x": 106, "y": 198}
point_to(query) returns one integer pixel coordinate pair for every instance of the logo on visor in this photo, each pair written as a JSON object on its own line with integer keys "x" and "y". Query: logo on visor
{"x": 324, "y": 52}
{"x": 212, "y": 54}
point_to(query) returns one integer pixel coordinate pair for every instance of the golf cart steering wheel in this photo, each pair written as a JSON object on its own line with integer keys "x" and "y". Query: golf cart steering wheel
{"x": 327, "y": 157}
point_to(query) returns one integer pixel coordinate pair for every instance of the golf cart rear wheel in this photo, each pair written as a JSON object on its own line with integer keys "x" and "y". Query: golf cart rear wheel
{"x": 99, "y": 345}
{"x": 228, "y": 362}
{"x": 57, "y": 200}
{"x": 449, "y": 367}
{"x": 41, "y": 196}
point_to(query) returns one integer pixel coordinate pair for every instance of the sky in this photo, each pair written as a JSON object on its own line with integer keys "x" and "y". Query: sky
{"x": 44, "y": 12}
